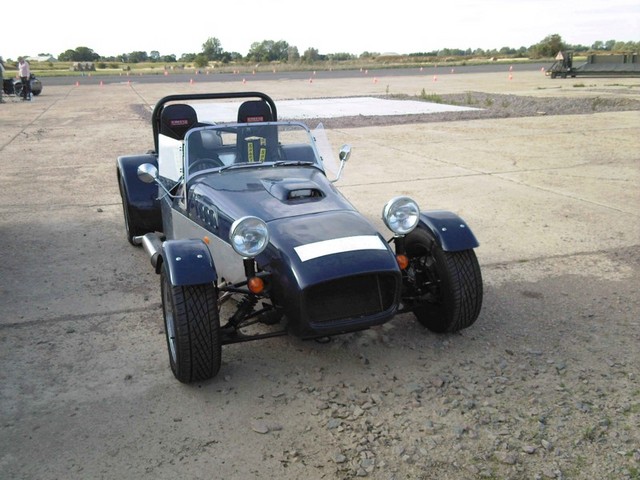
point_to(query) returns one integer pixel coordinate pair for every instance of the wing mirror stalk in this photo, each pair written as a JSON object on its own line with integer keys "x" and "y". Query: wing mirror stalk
{"x": 343, "y": 156}
{"x": 148, "y": 173}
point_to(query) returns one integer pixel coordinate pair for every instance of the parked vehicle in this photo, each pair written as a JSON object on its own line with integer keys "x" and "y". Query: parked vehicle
{"x": 13, "y": 86}
{"x": 596, "y": 65}
{"x": 244, "y": 212}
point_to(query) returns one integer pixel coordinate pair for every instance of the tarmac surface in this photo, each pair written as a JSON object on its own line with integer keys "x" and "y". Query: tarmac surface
{"x": 261, "y": 74}
{"x": 86, "y": 390}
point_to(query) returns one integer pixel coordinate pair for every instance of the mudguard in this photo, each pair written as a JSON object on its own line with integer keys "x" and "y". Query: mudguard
{"x": 188, "y": 262}
{"x": 144, "y": 206}
{"x": 451, "y": 232}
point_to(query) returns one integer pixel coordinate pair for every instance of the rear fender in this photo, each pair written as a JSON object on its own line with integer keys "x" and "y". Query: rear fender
{"x": 188, "y": 262}
{"x": 451, "y": 232}
{"x": 144, "y": 206}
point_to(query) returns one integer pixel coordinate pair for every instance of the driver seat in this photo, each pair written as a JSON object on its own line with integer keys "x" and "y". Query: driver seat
{"x": 255, "y": 111}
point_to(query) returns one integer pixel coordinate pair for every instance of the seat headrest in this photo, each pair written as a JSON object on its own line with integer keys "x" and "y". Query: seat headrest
{"x": 205, "y": 140}
{"x": 210, "y": 139}
{"x": 177, "y": 119}
{"x": 255, "y": 111}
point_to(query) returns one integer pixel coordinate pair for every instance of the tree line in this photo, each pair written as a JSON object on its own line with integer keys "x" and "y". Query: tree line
{"x": 280, "y": 51}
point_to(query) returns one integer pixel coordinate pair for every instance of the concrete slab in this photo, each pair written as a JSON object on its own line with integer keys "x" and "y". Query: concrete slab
{"x": 331, "y": 108}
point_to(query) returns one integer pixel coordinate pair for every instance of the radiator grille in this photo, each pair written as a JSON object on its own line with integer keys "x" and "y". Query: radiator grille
{"x": 350, "y": 298}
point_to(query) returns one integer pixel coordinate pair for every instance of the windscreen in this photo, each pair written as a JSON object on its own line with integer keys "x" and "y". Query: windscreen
{"x": 248, "y": 144}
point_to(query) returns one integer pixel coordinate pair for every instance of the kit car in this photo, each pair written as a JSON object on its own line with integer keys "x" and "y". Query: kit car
{"x": 243, "y": 214}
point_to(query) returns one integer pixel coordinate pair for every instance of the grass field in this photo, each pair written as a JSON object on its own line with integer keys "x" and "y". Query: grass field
{"x": 53, "y": 69}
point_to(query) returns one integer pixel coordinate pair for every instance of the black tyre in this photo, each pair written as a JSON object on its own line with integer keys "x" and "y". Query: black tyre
{"x": 192, "y": 327}
{"x": 17, "y": 89}
{"x": 132, "y": 229}
{"x": 448, "y": 284}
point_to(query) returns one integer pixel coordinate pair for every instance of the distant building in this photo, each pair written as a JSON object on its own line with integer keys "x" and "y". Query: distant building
{"x": 42, "y": 58}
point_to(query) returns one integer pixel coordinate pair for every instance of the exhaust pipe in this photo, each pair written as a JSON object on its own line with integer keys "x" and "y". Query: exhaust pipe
{"x": 152, "y": 244}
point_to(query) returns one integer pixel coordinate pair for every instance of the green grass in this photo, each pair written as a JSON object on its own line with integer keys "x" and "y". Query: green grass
{"x": 430, "y": 97}
{"x": 470, "y": 100}
{"x": 597, "y": 103}
{"x": 53, "y": 69}
{"x": 590, "y": 434}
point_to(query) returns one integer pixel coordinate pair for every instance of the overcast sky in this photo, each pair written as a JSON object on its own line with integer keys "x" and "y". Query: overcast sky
{"x": 330, "y": 26}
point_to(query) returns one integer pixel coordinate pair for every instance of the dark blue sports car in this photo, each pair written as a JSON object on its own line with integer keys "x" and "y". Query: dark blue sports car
{"x": 244, "y": 211}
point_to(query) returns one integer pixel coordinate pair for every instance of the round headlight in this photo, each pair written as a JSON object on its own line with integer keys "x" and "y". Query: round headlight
{"x": 249, "y": 236}
{"x": 401, "y": 215}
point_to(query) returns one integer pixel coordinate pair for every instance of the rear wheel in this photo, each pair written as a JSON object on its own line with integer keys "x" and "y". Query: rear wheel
{"x": 192, "y": 327}
{"x": 448, "y": 284}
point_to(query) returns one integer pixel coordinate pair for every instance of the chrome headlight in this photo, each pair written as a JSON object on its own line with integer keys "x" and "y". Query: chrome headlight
{"x": 401, "y": 215}
{"x": 249, "y": 236}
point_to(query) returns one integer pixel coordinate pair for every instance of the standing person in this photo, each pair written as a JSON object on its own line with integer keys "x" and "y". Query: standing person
{"x": 1, "y": 79}
{"x": 25, "y": 76}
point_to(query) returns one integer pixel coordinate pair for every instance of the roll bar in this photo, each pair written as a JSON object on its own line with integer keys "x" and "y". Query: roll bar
{"x": 157, "y": 111}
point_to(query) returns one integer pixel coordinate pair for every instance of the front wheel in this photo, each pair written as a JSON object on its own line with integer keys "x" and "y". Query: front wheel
{"x": 17, "y": 89}
{"x": 192, "y": 327}
{"x": 447, "y": 285}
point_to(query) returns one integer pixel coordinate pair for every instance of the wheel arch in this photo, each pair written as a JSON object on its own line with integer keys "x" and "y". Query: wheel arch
{"x": 188, "y": 262}
{"x": 144, "y": 206}
{"x": 450, "y": 231}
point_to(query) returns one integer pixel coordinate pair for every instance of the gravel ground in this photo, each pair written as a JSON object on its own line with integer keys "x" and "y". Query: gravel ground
{"x": 545, "y": 385}
{"x": 524, "y": 405}
{"x": 491, "y": 106}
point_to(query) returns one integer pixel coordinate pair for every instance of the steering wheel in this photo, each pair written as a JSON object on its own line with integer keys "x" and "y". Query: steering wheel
{"x": 203, "y": 163}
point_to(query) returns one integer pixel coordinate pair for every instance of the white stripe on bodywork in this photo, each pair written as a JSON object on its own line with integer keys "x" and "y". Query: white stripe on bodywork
{"x": 339, "y": 245}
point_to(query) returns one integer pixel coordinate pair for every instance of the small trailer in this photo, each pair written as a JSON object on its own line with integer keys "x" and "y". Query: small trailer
{"x": 597, "y": 65}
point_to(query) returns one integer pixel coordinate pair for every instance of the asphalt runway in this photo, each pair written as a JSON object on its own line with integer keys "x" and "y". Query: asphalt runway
{"x": 94, "y": 78}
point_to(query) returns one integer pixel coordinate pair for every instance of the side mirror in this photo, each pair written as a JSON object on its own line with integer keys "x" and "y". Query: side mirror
{"x": 147, "y": 173}
{"x": 343, "y": 155}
